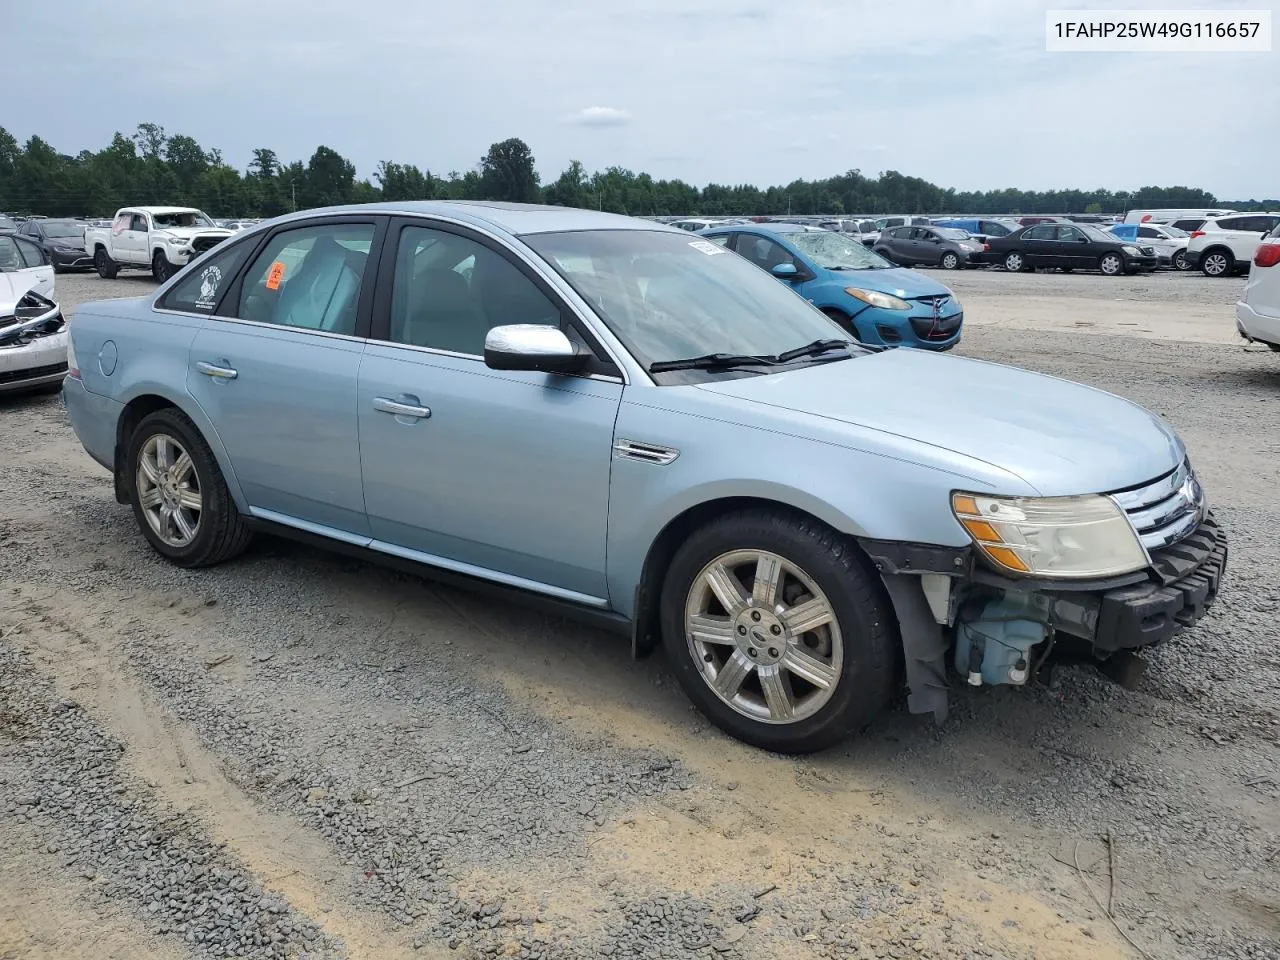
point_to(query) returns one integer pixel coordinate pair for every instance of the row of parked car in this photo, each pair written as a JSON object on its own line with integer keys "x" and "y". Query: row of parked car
{"x": 1218, "y": 242}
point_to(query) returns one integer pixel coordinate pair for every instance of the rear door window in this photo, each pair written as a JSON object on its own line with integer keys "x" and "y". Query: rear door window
{"x": 309, "y": 278}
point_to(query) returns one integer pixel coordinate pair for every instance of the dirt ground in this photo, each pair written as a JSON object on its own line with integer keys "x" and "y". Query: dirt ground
{"x": 384, "y": 767}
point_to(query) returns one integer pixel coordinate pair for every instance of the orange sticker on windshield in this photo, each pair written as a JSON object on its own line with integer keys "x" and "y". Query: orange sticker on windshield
{"x": 275, "y": 275}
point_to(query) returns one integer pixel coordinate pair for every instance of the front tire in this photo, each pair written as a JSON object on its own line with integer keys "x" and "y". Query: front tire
{"x": 844, "y": 320}
{"x": 1180, "y": 261}
{"x": 777, "y": 631}
{"x": 179, "y": 498}
{"x": 106, "y": 267}
{"x": 949, "y": 261}
{"x": 161, "y": 268}
{"x": 1111, "y": 264}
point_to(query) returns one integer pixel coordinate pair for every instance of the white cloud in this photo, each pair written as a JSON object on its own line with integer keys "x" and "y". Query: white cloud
{"x": 600, "y": 117}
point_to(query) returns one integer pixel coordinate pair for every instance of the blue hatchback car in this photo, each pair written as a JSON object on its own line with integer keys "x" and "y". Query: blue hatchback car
{"x": 879, "y": 303}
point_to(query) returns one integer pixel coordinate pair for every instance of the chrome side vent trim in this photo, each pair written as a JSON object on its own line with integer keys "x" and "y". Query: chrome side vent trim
{"x": 644, "y": 452}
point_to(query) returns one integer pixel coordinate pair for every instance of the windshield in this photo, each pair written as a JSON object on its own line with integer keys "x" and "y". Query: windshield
{"x": 867, "y": 226}
{"x": 835, "y": 251}
{"x": 63, "y": 228}
{"x": 1172, "y": 231}
{"x": 951, "y": 233}
{"x": 190, "y": 218}
{"x": 668, "y": 297}
{"x": 1093, "y": 233}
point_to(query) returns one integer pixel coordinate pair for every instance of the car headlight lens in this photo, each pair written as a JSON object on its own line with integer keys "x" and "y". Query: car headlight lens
{"x": 177, "y": 241}
{"x": 1131, "y": 251}
{"x": 877, "y": 299}
{"x": 1062, "y": 537}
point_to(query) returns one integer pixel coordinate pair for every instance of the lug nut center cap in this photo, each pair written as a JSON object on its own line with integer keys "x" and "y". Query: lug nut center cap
{"x": 760, "y": 635}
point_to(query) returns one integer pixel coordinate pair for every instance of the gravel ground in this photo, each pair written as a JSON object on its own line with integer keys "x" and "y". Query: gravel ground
{"x": 301, "y": 755}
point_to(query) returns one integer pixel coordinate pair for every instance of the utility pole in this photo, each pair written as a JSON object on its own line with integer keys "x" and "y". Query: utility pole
{"x": 293, "y": 192}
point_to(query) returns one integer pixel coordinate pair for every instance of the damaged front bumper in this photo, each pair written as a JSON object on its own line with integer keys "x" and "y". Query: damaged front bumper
{"x": 995, "y": 629}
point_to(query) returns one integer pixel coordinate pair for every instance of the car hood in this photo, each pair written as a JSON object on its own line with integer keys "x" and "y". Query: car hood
{"x": 1061, "y": 438}
{"x": 189, "y": 232}
{"x": 898, "y": 282}
{"x": 13, "y": 287}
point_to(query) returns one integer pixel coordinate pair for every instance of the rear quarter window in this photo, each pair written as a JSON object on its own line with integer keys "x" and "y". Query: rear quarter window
{"x": 202, "y": 289}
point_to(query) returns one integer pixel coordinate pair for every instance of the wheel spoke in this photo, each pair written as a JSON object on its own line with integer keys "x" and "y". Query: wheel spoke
{"x": 776, "y": 694}
{"x": 708, "y": 629}
{"x": 190, "y": 499}
{"x": 807, "y": 616}
{"x": 182, "y": 467}
{"x": 808, "y": 667}
{"x": 730, "y": 677}
{"x": 150, "y": 499}
{"x": 148, "y": 467}
{"x": 768, "y": 576}
{"x": 164, "y": 455}
{"x": 186, "y": 529}
{"x": 727, "y": 588}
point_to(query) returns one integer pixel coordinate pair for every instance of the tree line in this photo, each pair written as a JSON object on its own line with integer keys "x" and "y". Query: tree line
{"x": 152, "y": 166}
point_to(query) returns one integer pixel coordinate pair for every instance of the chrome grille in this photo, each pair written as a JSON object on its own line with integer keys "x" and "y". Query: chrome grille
{"x": 1166, "y": 509}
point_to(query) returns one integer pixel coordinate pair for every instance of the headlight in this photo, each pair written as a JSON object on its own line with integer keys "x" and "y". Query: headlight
{"x": 877, "y": 299}
{"x": 1131, "y": 251}
{"x": 177, "y": 241}
{"x": 1063, "y": 537}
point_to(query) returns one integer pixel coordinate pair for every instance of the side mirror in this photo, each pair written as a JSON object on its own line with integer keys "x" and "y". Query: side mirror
{"x": 785, "y": 271}
{"x": 532, "y": 346}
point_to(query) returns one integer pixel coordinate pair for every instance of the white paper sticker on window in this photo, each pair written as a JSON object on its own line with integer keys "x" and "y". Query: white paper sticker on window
{"x": 706, "y": 247}
{"x": 209, "y": 282}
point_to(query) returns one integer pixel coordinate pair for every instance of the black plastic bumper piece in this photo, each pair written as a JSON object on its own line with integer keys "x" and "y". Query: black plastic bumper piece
{"x": 1184, "y": 585}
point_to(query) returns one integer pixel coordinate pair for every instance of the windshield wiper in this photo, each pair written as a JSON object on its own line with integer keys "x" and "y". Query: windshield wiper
{"x": 812, "y": 349}
{"x": 713, "y": 361}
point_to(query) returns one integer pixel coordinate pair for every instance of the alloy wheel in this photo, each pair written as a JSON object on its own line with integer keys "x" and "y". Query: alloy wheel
{"x": 764, "y": 636}
{"x": 1111, "y": 264}
{"x": 169, "y": 490}
{"x": 1013, "y": 262}
{"x": 1215, "y": 264}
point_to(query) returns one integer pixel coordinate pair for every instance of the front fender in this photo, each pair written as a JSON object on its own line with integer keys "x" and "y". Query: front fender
{"x": 861, "y": 492}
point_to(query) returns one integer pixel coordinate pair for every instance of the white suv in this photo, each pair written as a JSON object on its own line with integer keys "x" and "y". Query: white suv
{"x": 1225, "y": 245}
{"x": 1258, "y": 314}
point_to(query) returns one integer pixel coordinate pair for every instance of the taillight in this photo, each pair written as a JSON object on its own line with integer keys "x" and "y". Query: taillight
{"x": 73, "y": 367}
{"x": 1196, "y": 233}
{"x": 986, "y": 247}
{"x": 1268, "y": 255}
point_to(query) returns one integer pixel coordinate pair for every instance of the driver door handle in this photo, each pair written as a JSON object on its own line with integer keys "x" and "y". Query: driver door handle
{"x": 399, "y": 409}
{"x": 213, "y": 370}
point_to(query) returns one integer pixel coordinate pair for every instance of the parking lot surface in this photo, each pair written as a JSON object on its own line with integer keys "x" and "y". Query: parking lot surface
{"x": 296, "y": 754}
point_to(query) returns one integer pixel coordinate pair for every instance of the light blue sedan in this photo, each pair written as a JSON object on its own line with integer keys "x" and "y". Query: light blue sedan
{"x": 634, "y": 425}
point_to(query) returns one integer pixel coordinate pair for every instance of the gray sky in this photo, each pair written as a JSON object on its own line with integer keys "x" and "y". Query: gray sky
{"x": 959, "y": 92}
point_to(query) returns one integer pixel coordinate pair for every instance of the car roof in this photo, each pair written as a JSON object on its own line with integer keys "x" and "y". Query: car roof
{"x": 764, "y": 228}
{"x": 513, "y": 218}
{"x": 161, "y": 210}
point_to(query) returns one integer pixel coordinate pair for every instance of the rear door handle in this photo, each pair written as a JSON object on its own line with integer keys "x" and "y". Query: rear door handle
{"x": 399, "y": 409}
{"x": 213, "y": 370}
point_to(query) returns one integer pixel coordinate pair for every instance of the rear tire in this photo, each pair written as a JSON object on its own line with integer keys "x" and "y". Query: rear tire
{"x": 180, "y": 499}
{"x": 835, "y": 675}
{"x": 106, "y": 267}
{"x": 1218, "y": 262}
{"x": 1015, "y": 262}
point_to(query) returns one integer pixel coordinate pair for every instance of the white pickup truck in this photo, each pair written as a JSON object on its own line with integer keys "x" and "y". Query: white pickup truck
{"x": 163, "y": 239}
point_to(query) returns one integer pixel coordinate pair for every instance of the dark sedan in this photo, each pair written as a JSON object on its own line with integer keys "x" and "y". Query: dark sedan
{"x": 1069, "y": 246}
{"x": 944, "y": 247}
{"x": 62, "y": 240}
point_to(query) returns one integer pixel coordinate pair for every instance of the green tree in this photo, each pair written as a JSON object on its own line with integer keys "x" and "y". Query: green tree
{"x": 329, "y": 179}
{"x": 507, "y": 173}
